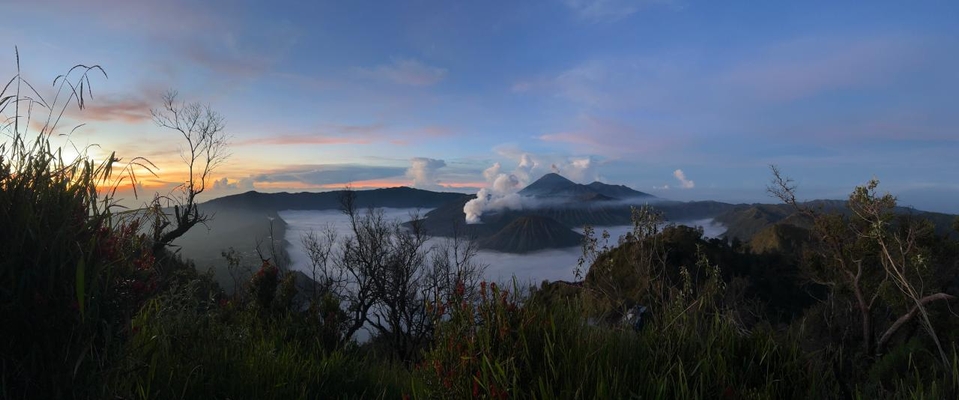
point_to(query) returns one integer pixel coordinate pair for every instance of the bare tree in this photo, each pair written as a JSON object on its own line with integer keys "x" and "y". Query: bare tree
{"x": 205, "y": 150}
{"x": 871, "y": 256}
{"x": 319, "y": 248}
{"x": 453, "y": 264}
{"x": 385, "y": 276}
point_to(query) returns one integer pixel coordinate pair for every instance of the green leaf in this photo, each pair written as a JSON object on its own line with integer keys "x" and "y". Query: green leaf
{"x": 81, "y": 285}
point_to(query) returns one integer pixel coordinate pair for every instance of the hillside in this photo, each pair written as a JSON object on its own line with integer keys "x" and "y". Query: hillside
{"x": 531, "y": 233}
{"x": 746, "y": 220}
{"x": 782, "y": 238}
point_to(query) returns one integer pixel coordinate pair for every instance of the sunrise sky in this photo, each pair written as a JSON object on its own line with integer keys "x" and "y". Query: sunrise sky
{"x": 682, "y": 99}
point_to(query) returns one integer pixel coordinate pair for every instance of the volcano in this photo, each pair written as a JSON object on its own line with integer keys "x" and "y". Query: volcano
{"x": 555, "y": 186}
{"x": 531, "y": 233}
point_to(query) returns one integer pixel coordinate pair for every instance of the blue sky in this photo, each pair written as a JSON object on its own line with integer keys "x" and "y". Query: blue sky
{"x": 432, "y": 93}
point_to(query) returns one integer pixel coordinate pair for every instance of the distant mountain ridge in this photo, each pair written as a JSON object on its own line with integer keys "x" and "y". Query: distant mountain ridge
{"x": 745, "y": 221}
{"x": 396, "y": 197}
{"x": 555, "y": 207}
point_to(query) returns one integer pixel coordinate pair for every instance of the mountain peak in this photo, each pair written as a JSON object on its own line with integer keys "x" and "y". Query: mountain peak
{"x": 549, "y": 184}
{"x": 553, "y": 178}
{"x": 555, "y": 185}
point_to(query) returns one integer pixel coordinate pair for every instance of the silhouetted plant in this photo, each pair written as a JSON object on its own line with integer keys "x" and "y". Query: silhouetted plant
{"x": 72, "y": 272}
{"x": 205, "y": 150}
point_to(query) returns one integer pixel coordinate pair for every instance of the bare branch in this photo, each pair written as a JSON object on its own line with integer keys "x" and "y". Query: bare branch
{"x": 205, "y": 149}
{"x": 909, "y": 316}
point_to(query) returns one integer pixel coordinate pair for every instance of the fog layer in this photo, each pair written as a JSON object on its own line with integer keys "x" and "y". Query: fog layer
{"x": 557, "y": 264}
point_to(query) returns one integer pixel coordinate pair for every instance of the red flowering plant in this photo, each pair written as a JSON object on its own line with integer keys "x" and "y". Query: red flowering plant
{"x": 125, "y": 253}
{"x": 272, "y": 290}
{"x": 473, "y": 355}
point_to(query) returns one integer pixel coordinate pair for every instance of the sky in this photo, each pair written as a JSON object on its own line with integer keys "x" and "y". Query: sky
{"x": 683, "y": 99}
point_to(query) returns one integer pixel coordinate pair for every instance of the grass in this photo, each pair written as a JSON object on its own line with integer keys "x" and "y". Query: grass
{"x": 549, "y": 351}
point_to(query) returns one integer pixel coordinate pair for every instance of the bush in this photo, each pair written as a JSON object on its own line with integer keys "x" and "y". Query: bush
{"x": 72, "y": 274}
{"x": 192, "y": 343}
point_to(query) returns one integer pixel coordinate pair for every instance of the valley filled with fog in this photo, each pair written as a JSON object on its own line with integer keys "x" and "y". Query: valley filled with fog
{"x": 554, "y": 264}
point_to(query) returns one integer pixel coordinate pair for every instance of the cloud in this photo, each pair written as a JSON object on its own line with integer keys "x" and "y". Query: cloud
{"x": 241, "y": 51}
{"x": 162, "y": 19}
{"x": 302, "y": 139}
{"x": 581, "y": 170}
{"x": 362, "y": 134}
{"x": 614, "y": 139}
{"x": 239, "y": 184}
{"x": 423, "y": 172}
{"x": 612, "y": 10}
{"x": 683, "y": 182}
{"x": 329, "y": 174}
{"x": 491, "y": 172}
{"x": 129, "y": 109}
{"x": 521, "y": 87}
{"x": 405, "y": 72}
{"x": 327, "y": 134}
{"x": 809, "y": 66}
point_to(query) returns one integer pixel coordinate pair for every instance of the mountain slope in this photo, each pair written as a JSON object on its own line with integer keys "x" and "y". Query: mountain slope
{"x": 616, "y": 191}
{"x": 530, "y": 233}
{"x": 746, "y": 220}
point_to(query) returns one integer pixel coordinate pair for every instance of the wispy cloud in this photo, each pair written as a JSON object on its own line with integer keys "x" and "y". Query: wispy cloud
{"x": 612, "y": 10}
{"x": 614, "y": 139}
{"x": 341, "y": 134}
{"x": 328, "y": 174}
{"x": 683, "y": 182}
{"x": 129, "y": 109}
{"x": 405, "y": 71}
{"x": 326, "y": 134}
{"x": 288, "y": 140}
{"x": 809, "y": 66}
{"x": 242, "y": 51}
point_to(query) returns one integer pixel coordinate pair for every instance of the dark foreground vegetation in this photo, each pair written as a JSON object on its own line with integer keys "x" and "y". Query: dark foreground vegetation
{"x": 94, "y": 303}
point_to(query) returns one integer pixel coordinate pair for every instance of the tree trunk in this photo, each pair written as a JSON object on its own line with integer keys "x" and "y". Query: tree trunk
{"x": 884, "y": 340}
{"x": 867, "y": 336}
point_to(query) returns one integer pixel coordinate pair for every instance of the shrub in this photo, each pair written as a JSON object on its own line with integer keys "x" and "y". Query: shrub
{"x": 71, "y": 272}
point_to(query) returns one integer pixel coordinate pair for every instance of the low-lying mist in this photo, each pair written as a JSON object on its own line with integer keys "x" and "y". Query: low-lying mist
{"x": 555, "y": 264}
